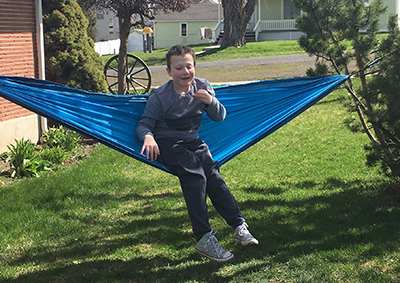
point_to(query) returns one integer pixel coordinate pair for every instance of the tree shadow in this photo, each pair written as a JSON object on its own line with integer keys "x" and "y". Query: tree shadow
{"x": 210, "y": 51}
{"x": 351, "y": 215}
{"x": 356, "y": 215}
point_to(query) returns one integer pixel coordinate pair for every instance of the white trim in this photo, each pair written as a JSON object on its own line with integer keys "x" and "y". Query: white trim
{"x": 215, "y": 2}
{"x": 278, "y": 25}
{"x": 219, "y": 11}
{"x": 183, "y": 21}
{"x": 40, "y": 39}
{"x": 42, "y": 121}
{"x": 397, "y": 9}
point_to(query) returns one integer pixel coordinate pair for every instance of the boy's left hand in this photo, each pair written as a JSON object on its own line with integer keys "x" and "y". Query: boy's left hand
{"x": 203, "y": 96}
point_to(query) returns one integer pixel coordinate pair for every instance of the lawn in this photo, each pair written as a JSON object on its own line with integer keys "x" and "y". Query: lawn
{"x": 319, "y": 213}
{"x": 250, "y": 50}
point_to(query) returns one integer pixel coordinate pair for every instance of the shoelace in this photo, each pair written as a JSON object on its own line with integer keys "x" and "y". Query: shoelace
{"x": 242, "y": 231}
{"x": 213, "y": 242}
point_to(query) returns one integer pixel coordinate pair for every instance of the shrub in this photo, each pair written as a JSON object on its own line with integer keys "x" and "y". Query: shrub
{"x": 54, "y": 155}
{"x": 60, "y": 137}
{"x": 4, "y": 156}
{"x": 70, "y": 57}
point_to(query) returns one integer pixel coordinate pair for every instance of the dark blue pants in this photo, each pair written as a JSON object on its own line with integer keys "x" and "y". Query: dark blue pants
{"x": 199, "y": 176}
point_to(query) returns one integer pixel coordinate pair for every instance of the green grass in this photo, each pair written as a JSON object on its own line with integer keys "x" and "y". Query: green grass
{"x": 250, "y": 50}
{"x": 319, "y": 213}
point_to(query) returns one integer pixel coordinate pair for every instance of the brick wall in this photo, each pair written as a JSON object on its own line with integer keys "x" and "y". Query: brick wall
{"x": 18, "y": 48}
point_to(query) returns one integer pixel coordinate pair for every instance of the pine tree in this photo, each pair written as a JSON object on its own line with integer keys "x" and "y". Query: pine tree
{"x": 70, "y": 57}
{"x": 340, "y": 33}
{"x": 384, "y": 90}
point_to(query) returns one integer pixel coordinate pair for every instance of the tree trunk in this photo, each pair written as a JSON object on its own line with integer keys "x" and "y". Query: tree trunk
{"x": 237, "y": 14}
{"x": 124, "y": 31}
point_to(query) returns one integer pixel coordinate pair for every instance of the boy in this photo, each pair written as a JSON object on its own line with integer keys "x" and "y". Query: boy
{"x": 169, "y": 131}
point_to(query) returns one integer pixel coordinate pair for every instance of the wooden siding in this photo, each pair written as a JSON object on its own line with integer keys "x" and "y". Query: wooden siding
{"x": 18, "y": 48}
{"x": 271, "y": 10}
{"x": 167, "y": 34}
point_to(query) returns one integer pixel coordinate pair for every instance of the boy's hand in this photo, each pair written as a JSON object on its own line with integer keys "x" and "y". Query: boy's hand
{"x": 151, "y": 147}
{"x": 203, "y": 96}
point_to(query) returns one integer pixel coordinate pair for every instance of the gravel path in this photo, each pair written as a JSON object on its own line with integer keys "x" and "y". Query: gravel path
{"x": 277, "y": 60}
{"x": 244, "y": 70}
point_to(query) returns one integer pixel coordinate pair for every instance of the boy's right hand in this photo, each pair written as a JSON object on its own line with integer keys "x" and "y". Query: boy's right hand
{"x": 151, "y": 147}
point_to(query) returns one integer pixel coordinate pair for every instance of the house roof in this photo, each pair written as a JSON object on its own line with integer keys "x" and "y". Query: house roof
{"x": 205, "y": 10}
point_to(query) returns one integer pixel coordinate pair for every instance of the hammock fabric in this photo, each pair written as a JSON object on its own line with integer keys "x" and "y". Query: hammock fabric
{"x": 254, "y": 110}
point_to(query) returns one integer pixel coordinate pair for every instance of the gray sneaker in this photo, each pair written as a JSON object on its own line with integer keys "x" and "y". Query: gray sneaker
{"x": 208, "y": 247}
{"x": 242, "y": 236}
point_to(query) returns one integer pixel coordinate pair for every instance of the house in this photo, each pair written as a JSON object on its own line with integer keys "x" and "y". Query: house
{"x": 271, "y": 20}
{"x": 107, "y": 26}
{"x": 192, "y": 26}
{"x": 21, "y": 54}
{"x": 275, "y": 19}
{"x": 107, "y": 35}
{"x": 393, "y": 9}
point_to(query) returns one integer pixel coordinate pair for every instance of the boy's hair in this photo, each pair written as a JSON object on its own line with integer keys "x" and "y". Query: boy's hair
{"x": 179, "y": 50}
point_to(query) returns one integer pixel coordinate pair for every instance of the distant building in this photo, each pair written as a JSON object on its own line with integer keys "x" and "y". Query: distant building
{"x": 192, "y": 26}
{"x": 107, "y": 26}
{"x": 107, "y": 39}
{"x": 271, "y": 20}
{"x": 275, "y": 19}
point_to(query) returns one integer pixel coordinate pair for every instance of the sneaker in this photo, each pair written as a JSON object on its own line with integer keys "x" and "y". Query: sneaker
{"x": 242, "y": 236}
{"x": 208, "y": 247}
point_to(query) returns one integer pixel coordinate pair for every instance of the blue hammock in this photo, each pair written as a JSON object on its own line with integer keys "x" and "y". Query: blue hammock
{"x": 254, "y": 110}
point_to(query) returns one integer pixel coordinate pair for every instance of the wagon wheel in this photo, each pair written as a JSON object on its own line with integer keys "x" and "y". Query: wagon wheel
{"x": 137, "y": 75}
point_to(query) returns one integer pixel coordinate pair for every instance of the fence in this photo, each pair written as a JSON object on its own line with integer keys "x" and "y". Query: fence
{"x": 107, "y": 47}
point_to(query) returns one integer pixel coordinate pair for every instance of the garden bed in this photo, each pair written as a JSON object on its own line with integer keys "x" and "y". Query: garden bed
{"x": 85, "y": 147}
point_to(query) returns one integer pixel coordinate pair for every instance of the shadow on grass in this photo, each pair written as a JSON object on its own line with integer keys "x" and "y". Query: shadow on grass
{"x": 209, "y": 52}
{"x": 353, "y": 216}
{"x": 350, "y": 217}
{"x": 155, "y": 61}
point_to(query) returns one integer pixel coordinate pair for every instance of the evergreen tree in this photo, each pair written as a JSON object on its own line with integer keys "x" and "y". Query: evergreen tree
{"x": 340, "y": 33}
{"x": 384, "y": 92}
{"x": 70, "y": 57}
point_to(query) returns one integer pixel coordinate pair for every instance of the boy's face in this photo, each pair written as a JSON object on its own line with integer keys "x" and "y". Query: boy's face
{"x": 182, "y": 71}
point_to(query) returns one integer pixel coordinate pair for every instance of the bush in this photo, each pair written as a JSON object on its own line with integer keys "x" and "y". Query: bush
{"x": 70, "y": 56}
{"x": 54, "y": 155}
{"x": 57, "y": 146}
{"x": 60, "y": 137}
{"x": 4, "y": 156}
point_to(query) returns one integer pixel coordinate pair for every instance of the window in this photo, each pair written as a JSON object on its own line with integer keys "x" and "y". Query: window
{"x": 111, "y": 27}
{"x": 184, "y": 31}
{"x": 290, "y": 12}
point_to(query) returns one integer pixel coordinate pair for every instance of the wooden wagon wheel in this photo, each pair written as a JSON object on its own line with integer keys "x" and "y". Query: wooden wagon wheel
{"x": 137, "y": 75}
